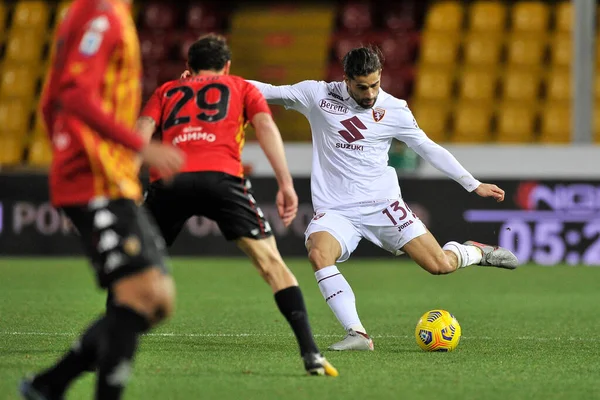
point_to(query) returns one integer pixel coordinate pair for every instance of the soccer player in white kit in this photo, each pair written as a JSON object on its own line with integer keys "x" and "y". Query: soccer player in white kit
{"x": 356, "y": 195}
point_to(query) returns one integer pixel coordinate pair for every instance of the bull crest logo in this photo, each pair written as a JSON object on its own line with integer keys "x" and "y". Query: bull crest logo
{"x": 378, "y": 114}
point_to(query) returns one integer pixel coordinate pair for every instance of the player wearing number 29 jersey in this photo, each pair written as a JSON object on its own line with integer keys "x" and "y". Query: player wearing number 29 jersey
{"x": 205, "y": 116}
{"x": 356, "y": 194}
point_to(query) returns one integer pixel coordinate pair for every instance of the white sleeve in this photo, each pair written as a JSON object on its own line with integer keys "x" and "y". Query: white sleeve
{"x": 298, "y": 97}
{"x": 444, "y": 161}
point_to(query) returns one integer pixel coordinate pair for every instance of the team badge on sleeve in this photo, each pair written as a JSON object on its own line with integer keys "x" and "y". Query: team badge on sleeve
{"x": 378, "y": 114}
{"x": 92, "y": 38}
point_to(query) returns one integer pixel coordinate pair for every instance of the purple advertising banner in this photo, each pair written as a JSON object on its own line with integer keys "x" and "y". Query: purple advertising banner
{"x": 544, "y": 222}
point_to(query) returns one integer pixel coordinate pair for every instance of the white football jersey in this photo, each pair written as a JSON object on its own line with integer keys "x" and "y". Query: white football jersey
{"x": 350, "y": 143}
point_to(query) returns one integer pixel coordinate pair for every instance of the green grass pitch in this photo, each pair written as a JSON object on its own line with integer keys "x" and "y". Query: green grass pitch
{"x": 533, "y": 333}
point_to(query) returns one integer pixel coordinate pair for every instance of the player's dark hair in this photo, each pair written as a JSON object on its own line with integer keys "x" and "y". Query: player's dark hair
{"x": 209, "y": 53}
{"x": 362, "y": 61}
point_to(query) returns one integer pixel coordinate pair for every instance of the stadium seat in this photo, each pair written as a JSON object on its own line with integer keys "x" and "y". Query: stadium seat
{"x": 558, "y": 85}
{"x": 472, "y": 123}
{"x": 11, "y": 149}
{"x": 487, "y": 16}
{"x": 434, "y": 83}
{"x": 344, "y": 42}
{"x": 61, "y": 12}
{"x": 335, "y": 72}
{"x": 481, "y": 49}
{"x": 159, "y": 15}
{"x": 202, "y": 17}
{"x": 401, "y": 17}
{"x": 14, "y": 116}
{"x": 24, "y": 46}
{"x": 445, "y": 16}
{"x": 31, "y": 14}
{"x": 477, "y": 84}
{"x": 556, "y": 123}
{"x": 397, "y": 49}
{"x": 526, "y": 49}
{"x": 154, "y": 46}
{"x": 356, "y": 16}
{"x": 439, "y": 48}
{"x": 516, "y": 123}
{"x": 432, "y": 117}
{"x": 530, "y": 16}
{"x": 564, "y": 16}
{"x": 396, "y": 81}
{"x": 18, "y": 81}
{"x": 40, "y": 153}
{"x": 521, "y": 85}
{"x": 597, "y": 123}
{"x": 561, "y": 50}
{"x": 3, "y": 17}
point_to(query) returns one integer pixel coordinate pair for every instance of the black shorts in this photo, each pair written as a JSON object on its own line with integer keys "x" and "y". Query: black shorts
{"x": 119, "y": 238}
{"x": 224, "y": 198}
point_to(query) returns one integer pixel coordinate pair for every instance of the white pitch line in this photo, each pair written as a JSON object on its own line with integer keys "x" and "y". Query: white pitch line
{"x": 240, "y": 335}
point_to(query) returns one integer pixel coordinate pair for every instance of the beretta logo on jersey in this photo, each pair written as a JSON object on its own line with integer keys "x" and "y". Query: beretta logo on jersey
{"x": 378, "y": 114}
{"x": 333, "y": 107}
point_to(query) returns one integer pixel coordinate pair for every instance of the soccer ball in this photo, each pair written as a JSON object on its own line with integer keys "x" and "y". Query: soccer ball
{"x": 437, "y": 330}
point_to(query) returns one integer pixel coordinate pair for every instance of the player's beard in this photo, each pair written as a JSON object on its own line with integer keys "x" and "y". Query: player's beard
{"x": 362, "y": 102}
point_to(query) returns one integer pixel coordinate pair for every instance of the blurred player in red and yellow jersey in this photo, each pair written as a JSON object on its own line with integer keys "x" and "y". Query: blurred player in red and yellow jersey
{"x": 90, "y": 104}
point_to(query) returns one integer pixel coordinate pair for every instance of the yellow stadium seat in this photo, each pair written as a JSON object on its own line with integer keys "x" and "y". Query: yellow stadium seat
{"x": 564, "y": 16}
{"x": 434, "y": 83}
{"x": 439, "y": 48}
{"x": 30, "y": 14}
{"x": 477, "y": 84}
{"x": 472, "y": 123}
{"x": 11, "y": 149}
{"x": 526, "y": 49}
{"x": 61, "y": 11}
{"x": 3, "y": 13}
{"x": 561, "y": 50}
{"x": 597, "y": 86}
{"x": 487, "y": 16}
{"x": 18, "y": 81}
{"x": 14, "y": 115}
{"x": 556, "y": 123}
{"x": 481, "y": 49}
{"x": 558, "y": 85}
{"x": 516, "y": 123}
{"x": 530, "y": 16}
{"x": 597, "y": 123}
{"x": 40, "y": 153}
{"x": 24, "y": 46}
{"x": 444, "y": 16}
{"x": 521, "y": 85}
{"x": 432, "y": 117}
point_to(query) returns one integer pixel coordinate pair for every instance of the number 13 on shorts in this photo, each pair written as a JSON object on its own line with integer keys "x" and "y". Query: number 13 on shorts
{"x": 397, "y": 212}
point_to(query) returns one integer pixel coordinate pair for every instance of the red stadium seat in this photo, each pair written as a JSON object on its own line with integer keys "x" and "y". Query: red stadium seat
{"x": 184, "y": 43}
{"x": 343, "y": 42}
{"x": 159, "y": 15}
{"x": 170, "y": 71}
{"x": 202, "y": 17}
{"x": 397, "y": 50}
{"x": 154, "y": 46}
{"x": 397, "y": 82}
{"x": 356, "y": 16}
{"x": 335, "y": 72}
{"x": 401, "y": 17}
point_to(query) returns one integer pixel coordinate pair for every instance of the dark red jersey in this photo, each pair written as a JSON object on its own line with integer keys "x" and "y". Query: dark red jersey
{"x": 90, "y": 104}
{"x": 205, "y": 116}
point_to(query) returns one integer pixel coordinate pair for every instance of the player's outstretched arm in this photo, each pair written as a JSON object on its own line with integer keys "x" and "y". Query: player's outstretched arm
{"x": 270, "y": 142}
{"x": 445, "y": 162}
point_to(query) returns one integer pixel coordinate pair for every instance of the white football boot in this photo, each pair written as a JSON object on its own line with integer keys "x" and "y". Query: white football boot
{"x": 495, "y": 256}
{"x": 354, "y": 341}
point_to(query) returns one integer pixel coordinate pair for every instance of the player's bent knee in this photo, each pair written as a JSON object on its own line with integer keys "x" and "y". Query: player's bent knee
{"x": 150, "y": 293}
{"x": 319, "y": 259}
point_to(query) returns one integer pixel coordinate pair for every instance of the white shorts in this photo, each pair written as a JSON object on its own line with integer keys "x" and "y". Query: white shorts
{"x": 389, "y": 225}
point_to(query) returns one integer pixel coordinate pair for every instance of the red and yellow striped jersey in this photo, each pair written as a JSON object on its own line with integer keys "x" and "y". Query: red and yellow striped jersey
{"x": 91, "y": 102}
{"x": 205, "y": 116}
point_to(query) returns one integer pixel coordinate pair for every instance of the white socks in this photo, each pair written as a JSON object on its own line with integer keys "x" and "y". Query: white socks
{"x": 339, "y": 296}
{"x": 467, "y": 255}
